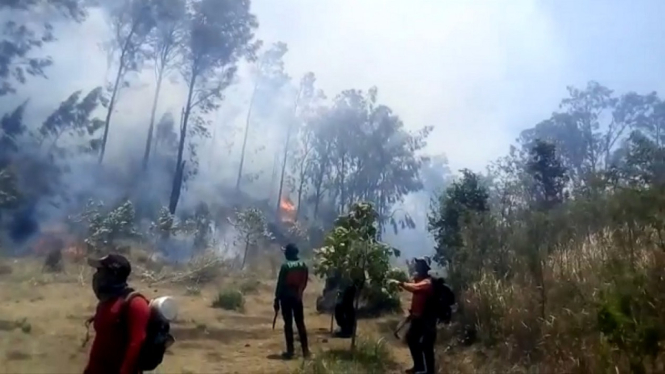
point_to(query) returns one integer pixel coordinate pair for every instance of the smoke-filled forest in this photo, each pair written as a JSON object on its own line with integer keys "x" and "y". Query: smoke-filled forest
{"x": 555, "y": 251}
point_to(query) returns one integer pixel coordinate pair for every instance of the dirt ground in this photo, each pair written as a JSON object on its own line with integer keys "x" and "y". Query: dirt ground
{"x": 42, "y": 326}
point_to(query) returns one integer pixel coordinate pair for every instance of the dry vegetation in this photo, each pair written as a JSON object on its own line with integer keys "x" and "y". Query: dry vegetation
{"x": 568, "y": 303}
{"x": 43, "y": 315}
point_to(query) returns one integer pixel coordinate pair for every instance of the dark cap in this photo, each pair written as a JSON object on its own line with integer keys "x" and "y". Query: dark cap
{"x": 424, "y": 262}
{"x": 290, "y": 249}
{"x": 116, "y": 263}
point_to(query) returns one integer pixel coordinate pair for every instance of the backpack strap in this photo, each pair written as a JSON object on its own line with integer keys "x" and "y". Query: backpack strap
{"x": 125, "y": 305}
{"x": 132, "y": 295}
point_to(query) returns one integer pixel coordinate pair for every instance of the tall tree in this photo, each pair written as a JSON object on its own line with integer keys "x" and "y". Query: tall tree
{"x": 589, "y": 128}
{"x": 131, "y": 24}
{"x": 548, "y": 175}
{"x": 452, "y": 210}
{"x": 364, "y": 152}
{"x": 306, "y": 92}
{"x": 164, "y": 43}
{"x": 269, "y": 77}
{"x": 219, "y": 33}
{"x": 300, "y": 164}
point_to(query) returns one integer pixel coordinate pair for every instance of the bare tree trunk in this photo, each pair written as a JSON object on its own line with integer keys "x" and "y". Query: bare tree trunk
{"x": 300, "y": 190}
{"x": 286, "y": 149}
{"x": 107, "y": 122}
{"x": 244, "y": 257}
{"x": 121, "y": 68}
{"x": 148, "y": 142}
{"x": 317, "y": 195}
{"x": 177, "y": 184}
{"x": 273, "y": 176}
{"x": 244, "y": 140}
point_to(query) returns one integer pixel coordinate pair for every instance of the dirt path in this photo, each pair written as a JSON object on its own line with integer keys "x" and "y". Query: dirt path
{"x": 41, "y": 330}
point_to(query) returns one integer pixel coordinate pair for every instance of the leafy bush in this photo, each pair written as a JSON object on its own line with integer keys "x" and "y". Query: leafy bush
{"x": 370, "y": 356}
{"x": 229, "y": 300}
{"x": 106, "y": 229}
{"x": 353, "y": 252}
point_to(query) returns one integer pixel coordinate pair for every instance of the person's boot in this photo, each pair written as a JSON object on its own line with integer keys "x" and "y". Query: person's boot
{"x": 287, "y": 355}
{"x": 306, "y": 353}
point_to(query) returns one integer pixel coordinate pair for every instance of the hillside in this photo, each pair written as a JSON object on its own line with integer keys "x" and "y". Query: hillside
{"x": 42, "y": 326}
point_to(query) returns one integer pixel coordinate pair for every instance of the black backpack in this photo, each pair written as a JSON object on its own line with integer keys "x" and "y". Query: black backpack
{"x": 158, "y": 338}
{"x": 441, "y": 301}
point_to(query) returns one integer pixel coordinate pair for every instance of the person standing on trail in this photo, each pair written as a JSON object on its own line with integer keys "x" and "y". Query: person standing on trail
{"x": 118, "y": 339}
{"x": 291, "y": 284}
{"x": 421, "y": 335}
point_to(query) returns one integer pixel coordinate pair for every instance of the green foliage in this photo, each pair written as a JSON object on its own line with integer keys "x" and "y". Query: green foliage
{"x": 166, "y": 224}
{"x": 20, "y": 59}
{"x": 73, "y": 120}
{"x": 455, "y": 208}
{"x": 218, "y": 34}
{"x": 631, "y": 321}
{"x": 359, "y": 150}
{"x": 548, "y": 174}
{"x": 251, "y": 229}
{"x": 352, "y": 250}
{"x": 370, "y": 356}
{"x": 229, "y": 300}
{"x": 560, "y": 263}
{"x": 201, "y": 224}
{"x": 105, "y": 229}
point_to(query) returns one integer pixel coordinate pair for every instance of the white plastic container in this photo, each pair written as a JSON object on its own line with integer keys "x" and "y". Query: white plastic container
{"x": 166, "y": 307}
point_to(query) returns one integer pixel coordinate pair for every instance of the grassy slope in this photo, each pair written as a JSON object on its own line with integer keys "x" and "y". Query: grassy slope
{"x": 42, "y": 316}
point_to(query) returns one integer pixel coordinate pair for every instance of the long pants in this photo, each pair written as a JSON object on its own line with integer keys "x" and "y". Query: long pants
{"x": 345, "y": 316}
{"x": 345, "y": 313}
{"x": 421, "y": 338}
{"x": 292, "y": 309}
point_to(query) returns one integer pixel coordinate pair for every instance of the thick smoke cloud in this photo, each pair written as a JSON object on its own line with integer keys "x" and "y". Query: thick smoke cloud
{"x": 478, "y": 72}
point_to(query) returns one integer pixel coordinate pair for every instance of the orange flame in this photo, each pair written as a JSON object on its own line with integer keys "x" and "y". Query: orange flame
{"x": 287, "y": 209}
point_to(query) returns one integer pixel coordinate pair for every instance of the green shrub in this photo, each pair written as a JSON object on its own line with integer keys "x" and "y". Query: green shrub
{"x": 229, "y": 300}
{"x": 369, "y": 356}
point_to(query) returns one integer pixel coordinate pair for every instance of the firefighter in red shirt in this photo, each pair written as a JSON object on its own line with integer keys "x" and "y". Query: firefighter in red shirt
{"x": 120, "y": 328}
{"x": 421, "y": 335}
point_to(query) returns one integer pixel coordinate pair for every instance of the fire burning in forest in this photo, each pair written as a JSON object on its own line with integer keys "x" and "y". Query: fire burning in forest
{"x": 56, "y": 238}
{"x": 287, "y": 210}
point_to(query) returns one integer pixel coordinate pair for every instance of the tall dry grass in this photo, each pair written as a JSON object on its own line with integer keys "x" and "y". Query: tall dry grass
{"x": 604, "y": 313}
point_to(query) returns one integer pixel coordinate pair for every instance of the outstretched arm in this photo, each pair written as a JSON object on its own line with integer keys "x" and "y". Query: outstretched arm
{"x": 415, "y": 286}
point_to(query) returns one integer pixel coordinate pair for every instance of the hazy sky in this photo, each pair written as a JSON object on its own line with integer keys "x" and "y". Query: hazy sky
{"x": 479, "y": 71}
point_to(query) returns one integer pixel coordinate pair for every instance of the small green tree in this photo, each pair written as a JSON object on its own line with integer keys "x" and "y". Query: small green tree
{"x": 166, "y": 224}
{"x": 352, "y": 250}
{"x": 105, "y": 229}
{"x": 251, "y": 228}
{"x": 463, "y": 203}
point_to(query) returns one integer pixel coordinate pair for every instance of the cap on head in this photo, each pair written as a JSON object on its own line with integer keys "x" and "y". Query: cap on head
{"x": 117, "y": 264}
{"x": 291, "y": 250}
{"x": 422, "y": 263}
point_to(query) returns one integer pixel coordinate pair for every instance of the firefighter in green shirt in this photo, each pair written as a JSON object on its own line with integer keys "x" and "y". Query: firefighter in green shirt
{"x": 291, "y": 284}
